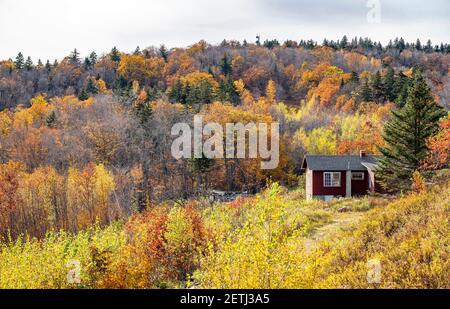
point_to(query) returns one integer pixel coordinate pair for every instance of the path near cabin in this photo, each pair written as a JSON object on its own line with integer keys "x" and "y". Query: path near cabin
{"x": 340, "y": 221}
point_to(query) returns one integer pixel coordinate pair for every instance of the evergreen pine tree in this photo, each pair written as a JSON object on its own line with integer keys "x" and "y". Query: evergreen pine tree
{"x": 388, "y": 85}
{"x": 344, "y": 42}
{"x": 83, "y": 96}
{"x": 205, "y": 92}
{"x": 227, "y": 92}
{"x": 48, "y": 66}
{"x": 121, "y": 83}
{"x": 144, "y": 112}
{"x": 366, "y": 92}
{"x": 418, "y": 45}
{"x": 20, "y": 61}
{"x": 429, "y": 47}
{"x": 74, "y": 57}
{"x": 401, "y": 44}
{"x": 90, "y": 87}
{"x": 28, "y": 64}
{"x": 225, "y": 66}
{"x": 401, "y": 89}
{"x": 406, "y": 135}
{"x": 93, "y": 58}
{"x": 377, "y": 87}
{"x": 163, "y": 52}
{"x": 176, "y": 92}
{"x": 114, "y": 55}
{"x": 87, "y": 63}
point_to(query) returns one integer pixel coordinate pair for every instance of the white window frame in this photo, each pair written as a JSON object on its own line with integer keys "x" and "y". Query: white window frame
{"x": 359, "y": 174}
{"x": 332, "y": 183}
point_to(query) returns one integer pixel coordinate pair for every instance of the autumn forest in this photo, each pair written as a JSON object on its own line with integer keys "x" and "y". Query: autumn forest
{"x": 87, "y": 174}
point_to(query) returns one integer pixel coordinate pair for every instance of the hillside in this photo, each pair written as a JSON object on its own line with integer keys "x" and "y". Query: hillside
{"x": 97, "y": 192}
{"x": 258, "y": 242}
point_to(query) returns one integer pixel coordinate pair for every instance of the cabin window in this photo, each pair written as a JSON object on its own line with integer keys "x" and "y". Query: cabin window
{"x": 332, "y": 179}
{"x": 357, "y": 176}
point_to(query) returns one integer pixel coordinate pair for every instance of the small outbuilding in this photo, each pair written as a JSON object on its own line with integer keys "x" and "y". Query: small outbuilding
{"x": 329, "y": 177}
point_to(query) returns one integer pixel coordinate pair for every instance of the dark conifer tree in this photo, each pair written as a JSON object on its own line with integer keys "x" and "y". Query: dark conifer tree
{"x": 144, "y": 112}
{"x": 74, "y": 57}
{"x": 163, "y": 52}
{"x": 388, "y": 85}
{"x": 87, "y": 64}
{"x": 176, "y": 92}
{"x": 344, "y": 42}
{"x": 401, "y": 89}
{"x": 93, "y": 58}
{"x": 418, "y": 45}
{"x": 28, "y": 64}
{"x": 366, "y": 92}
{"x": 114, "y": 55}
{"x": 48, "y": 66}
{"x": 90, "y": 87}
{"x": 20, "y": 61}
{"x": 83, "y": 96}
{"x": 225, "y": 66}
{"x": 406, "y": 135}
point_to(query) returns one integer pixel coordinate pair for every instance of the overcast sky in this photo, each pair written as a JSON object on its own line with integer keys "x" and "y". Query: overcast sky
{"x": 50, "y": 29}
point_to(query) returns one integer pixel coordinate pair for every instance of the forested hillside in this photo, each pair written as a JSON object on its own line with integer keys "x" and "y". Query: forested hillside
{"x": 87, "y": 173}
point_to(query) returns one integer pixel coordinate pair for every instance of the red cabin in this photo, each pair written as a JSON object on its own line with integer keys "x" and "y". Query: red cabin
{"x": 329, "y": 177}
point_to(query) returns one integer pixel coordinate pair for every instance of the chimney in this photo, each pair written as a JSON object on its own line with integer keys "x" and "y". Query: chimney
{"x": 362, "y": 154}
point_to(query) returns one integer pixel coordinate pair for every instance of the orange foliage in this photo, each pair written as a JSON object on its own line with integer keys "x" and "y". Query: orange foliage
{"x": 439, "y": 146}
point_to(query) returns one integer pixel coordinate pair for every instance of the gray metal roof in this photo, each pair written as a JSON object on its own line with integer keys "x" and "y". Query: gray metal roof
{"x": 339, "y": 163}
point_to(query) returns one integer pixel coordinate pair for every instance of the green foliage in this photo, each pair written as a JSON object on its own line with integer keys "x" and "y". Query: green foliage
{"x": 163, "y": 52}
{"x": 377, "y": 87}
{"x": 227, "y": 91}
{"x": 406, "y": 136}
{"x": 28, "y": 64}
{"x": 366, "y": 94}
{"x": 83, "y": 96}
{"x": 74, "y": 57}
{"x": 20, "y": 61}
{"x": 225, "y": 66}
{"x": 114, "y": 54}
{"x": 388, "y": 85}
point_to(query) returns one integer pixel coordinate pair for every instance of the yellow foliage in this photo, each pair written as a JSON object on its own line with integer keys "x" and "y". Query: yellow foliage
{"x": 6, "y": 122}
{"x": 101, "y": 86}
{"x": 22, "y": 118}
{"x": 271, "y": 91}
{"x": 136, "y": 67}
{"x": 319, "y": 141}
{"x": 197, "y": 78}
